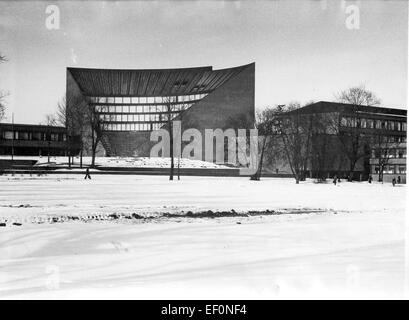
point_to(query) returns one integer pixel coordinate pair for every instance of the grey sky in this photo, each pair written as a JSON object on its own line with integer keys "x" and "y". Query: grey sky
{"x": 302, "y": 49}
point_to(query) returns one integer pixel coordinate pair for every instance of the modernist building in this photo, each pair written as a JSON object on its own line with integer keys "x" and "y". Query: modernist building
{"x": 36, "y": 140}
{"x": 383, "y": 141}
{"x": 133, "y": 103}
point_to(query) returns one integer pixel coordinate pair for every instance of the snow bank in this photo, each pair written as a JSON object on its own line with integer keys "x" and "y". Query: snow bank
{"x": 128, "y": 162}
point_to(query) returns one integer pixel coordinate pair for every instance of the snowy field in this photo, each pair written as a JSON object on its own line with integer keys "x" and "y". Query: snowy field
{"x": 344, "y": 241}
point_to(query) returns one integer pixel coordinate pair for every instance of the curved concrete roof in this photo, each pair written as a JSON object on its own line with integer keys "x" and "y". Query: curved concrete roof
{"x": 151, "y": 82}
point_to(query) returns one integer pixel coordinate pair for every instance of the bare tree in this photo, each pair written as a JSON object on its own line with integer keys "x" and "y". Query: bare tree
{"x": 98, "y": 119}
{"x": 295, "y": 131}
{"x": 50, "y": 120}
{"x": 74, "y": 119}
{"x": 384, "y": 148}
{"x": 353, "y": 140}
{"x": 3, "y": 94}
{"x": 264, "y": 123}
{"x": 325, "y": 149}
{"x": 170, "y": 109}
{"x": 183, "y": 107}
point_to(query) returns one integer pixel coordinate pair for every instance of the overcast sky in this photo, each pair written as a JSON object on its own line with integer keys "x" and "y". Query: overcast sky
{"x": 303, "y": 50}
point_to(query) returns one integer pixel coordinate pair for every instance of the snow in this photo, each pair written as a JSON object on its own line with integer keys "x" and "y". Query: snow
{"x": 129, "y": 162}
{"x": 344, "y": 241}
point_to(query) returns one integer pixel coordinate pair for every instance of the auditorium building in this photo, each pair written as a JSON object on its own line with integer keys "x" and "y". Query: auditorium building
{"x": 133, "y": 103}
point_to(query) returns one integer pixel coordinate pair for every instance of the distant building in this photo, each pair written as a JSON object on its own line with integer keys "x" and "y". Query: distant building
{"x": 133, "y": 103}
{"x": 384, "y": 146}
{"x": 36, "y": 140}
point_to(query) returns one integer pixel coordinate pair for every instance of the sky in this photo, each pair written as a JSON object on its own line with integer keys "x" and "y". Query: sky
{"x": 304, "y": 50}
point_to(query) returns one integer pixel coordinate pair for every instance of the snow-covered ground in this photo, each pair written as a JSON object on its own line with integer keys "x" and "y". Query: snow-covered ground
{"x": 130, "y": 162}
{"x": 344, "y": 241}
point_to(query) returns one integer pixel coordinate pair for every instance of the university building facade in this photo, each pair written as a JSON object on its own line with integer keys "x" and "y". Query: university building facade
{"x": 382, "y": 141}
{"x": 36, "y": 140}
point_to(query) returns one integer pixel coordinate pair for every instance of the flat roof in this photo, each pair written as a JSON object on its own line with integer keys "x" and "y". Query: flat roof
{"x": 31, "y": 126}
{"x": 327, "y": 106}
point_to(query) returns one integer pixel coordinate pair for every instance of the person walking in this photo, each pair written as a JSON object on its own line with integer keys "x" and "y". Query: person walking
{"x": 335, "y": 180}
{"x": 370, "y": 179}
{"x": 398, "y": 180}
{"x": 393, "y": 181}
{"x": 87, "y": 175}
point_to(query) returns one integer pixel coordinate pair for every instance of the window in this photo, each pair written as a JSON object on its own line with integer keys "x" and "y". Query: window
{"x": 23, "y": 136}
{"x": 402, "y": 169}
{"x": 403, "y": 126}
{"x": 390, "y": 169}
{"x": 142, "y": 100}
{"x": 126, "y": 100}
{"x": 37, "y": 136}
{"x": 375, "y": 169}
{"x": 8, "y": 135}
{"x": 402, "y": 153}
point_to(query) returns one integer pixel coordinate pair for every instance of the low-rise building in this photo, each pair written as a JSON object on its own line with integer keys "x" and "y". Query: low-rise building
{"x": 36, "y": 140}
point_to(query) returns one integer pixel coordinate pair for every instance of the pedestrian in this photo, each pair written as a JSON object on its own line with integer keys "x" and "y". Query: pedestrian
{"x": 335, "y": 180}
{"x": 393, "y": 181}
{"x": 87, "y": 175}
{"x": 370, "y": 179}
{"x": 398, "y": 180}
